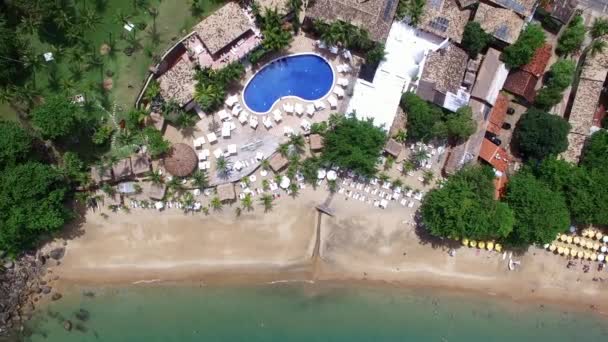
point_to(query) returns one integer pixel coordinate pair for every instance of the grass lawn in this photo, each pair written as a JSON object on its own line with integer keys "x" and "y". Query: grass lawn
{"x": 7, "y": 113}
{"x": 128, "y": 73}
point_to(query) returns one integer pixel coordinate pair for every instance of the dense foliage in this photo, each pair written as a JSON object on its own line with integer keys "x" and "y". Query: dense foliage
{"x": 539, "y": 134}
{"x": 475, "y": 39}
{"x": 56, "y": 118}
{"x": 426, "y": 121}
{"x": 410, "y": 9}
{"x": 572, "y": 37}
{"x": 212, "y": 84}
{"x": 15, "y": 143}
{"x": 354, "y": 145}
{"x": 559, "y": 78}
{"x": 465, "y": 207}
{"x": 522, "y": 51}
{"x": 11, "y": 65}
{"x": 540, "y": 213}
{"x": 595, "y": 154}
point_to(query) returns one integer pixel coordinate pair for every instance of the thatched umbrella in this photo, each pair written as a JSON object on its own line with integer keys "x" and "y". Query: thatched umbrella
{"x": 181, "y": 160}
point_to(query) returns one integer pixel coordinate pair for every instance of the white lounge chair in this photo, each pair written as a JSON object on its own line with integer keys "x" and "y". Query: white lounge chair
{"x": 288, "y": 108}
{"x": 218, "y": 153}
{"x": 211, "y": 137}
{"x": 253, "y": 123}
{"x": 339, "y": 92}
{"x": 310, "y": 110}
{"x": 333, "y": 102}
{"x": 299, "y": 109}
{"x": 276, "y": 114}
{"x": 243, "y": 118}
{"x": 342, "y": 82}
{"x": 231, "y": 100}
{"x": 198, "y": 142}
{"x": 267, "y": 122}
{"x": 223, "y": 114}
{"x": 287, "y": 130}
{"x": 232, "y": 149}
{"x": 236, "y": 110}
{"x": 226, "y": 130}
{"x": 319, "y": 105}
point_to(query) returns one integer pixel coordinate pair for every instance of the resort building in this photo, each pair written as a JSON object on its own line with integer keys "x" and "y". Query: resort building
{"x": 375, "y": 16}
{"x": 499, "y": 159}
{"x": 140, "y": 164}
{"x": 585, "y": 107}
{"x": 223, "y": 37}
{"x": 100, "y": 175}
{"x": 122, "y": 169}
{"x": 522, "y": 81}
{"x": 393, "y": 148}
{"x": 503, "y": 24}
{"x": 406, "y": 50}
{"x": 558, "y": 11}
{"x": 278, "y": 162}
{"x": 442, "y": 78}
{"x": 525, "y": 8}
{"x": 445, "y": 19}
{"x": 491, "y": 77}
{"x": 316, "y": 142}
{"x": 225, "y": 192}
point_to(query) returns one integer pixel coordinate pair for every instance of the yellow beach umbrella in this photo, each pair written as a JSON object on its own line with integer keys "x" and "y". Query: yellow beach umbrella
{"x": 585, "y": 233}
{"x": 566, "y": 251}
{"x": 569, "y": 239}
{"x": 552, "y": 248}
{"x": 591, "y": 234}
{"x": 599, "y": 236}
{"x": 576, "y": 240}
{"x": 465, "y": 242}
{"x": 580, "y": 254}
{"x": 473, "y": 243}
{"x": 593, "y": 257}
{"x": 498, "y": 247}
{"x": 589, "y": 244}
{"x": 582, "y": 242}
{"x": 490, "y": 245}
{"x": 560, "y": 250}
{"x": 587, "y": 254}
{"x": 573, "y": 252}
{"x": 564, "y": 237}
{"x": 596, "y": 246}
{"x": 481, "y": 245}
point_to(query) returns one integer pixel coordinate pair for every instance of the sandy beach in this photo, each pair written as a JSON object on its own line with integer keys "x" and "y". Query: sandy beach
{"x": 360, "y": 243}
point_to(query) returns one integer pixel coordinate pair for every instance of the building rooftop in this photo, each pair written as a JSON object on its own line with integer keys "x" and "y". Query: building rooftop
{"x": 521, "y": 7}
{"x": 225, "y": 192}
{"x": 181, "y": 160}
{"x": 278, "y": 162}
{"x": 140, "y": 163}
{"x": 280, "y": 5}
{"x": 539, "y": 61}
{"x": 122, "y": 169}
{"x": 584, "y": 106}
{"x": 316, "y": 142}
{"x": 156, "y": 120}
{"x": 393, "y": 147}
{"x": 178, "y": 82}
{"x": 502, "y": 23}
{"x": 576, "y": 143}
{"x": 561, "y": 10}
{"x": 596, "y": 66}
{"x": 445, "y": 19}
{"x": 521, "y": 83}
{"x": 498, "y": 114}
{"x": 490, "y": 78}
{"x": 375, "y": 16}
{"x": 101, "y": 174}
{"x": 223, "y": 27}
{"x": 154, "y": 191}
{"x": 445, "y": 68}
{"x": 494, "y": 155}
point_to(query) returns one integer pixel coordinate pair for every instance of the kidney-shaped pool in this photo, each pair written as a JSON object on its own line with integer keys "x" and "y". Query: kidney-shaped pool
{"x": 306, "y": 76}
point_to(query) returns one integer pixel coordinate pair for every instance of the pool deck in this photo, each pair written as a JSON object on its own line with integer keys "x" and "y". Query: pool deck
{"x": 261, "y": 139}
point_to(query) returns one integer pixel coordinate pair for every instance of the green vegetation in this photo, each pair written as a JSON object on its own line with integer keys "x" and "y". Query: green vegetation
{"x": 346, "y": 35}
{"x": 475, "y": 39}
{"x": 212, "y": 85}
{"x": 522, "y": 51}
{"x": 539, "y": 134}
{"x": 276, "y": 36}
{"x": 15, "y": 144}
{"x": 426, "y": 121}
{"x": 412, "y": 9}
{"x": 465, "y": 207}
{"x": 572, "y": 37}
{"x": 353, "y": 144}
{"x": 560, "y": 77}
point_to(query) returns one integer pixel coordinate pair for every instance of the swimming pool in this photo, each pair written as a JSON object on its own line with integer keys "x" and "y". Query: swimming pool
{"x": 308, "y": 77}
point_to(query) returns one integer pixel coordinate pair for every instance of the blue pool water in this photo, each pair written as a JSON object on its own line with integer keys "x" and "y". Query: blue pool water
{"x": 307, "y": 76}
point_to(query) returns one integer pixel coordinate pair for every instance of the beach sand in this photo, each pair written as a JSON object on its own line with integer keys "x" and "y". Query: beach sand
{"x": 360, "y": 243}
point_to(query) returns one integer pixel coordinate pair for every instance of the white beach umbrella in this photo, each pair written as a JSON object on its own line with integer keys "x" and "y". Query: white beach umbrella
{"x": 601, "y": 257}
{"x": 605, "y": 239}
{"x": 332, "y": 175}
{"x": 321, "y": 173}
{"x": 285, "y": 182}
{"x": 604, "y": 249}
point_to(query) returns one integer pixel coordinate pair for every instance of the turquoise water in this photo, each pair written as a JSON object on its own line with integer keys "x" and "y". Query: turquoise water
{"x": 305, "y": 313}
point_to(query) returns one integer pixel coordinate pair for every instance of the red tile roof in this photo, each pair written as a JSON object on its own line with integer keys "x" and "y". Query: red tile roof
{"x": 496, "y": 156}
{"x": 539, "y": 61}
{"x": 500, "y": 186}
{"x": 521, "y": 83}
{"x": 599, "y": 115}
{"x": 498, "y": 114}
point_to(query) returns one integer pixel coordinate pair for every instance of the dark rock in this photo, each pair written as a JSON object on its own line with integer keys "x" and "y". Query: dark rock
{"x": 83, "y": 315}
{"x": 43, "y": 282}
{"x": 67, "y": 325}
{"x": 46, "y": 289}
{"x": 56, "y": 277}
{"x": 57, "y": 253}
{"x": 9, "y": 264}
{"x": 89, "y": 294}
{"x": 56, "y": 296}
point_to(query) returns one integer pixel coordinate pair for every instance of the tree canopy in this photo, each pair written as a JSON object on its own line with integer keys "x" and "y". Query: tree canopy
{"x": 560, "y": 76}
{"x": 539, "y": 134}
{"x": 11, "y": 51}
{"x": 540, "y": 213}
{"x": 522, "y": 51}
{"x": 56, "y": 118}
{"x": 595, "y": 154}
{"x": 15, "y": 143}
{"x": 354, "y": 144}
{"x": 465, "y": 207}
{"x": 572, "y": 37}
{"x": 475, "y": 39}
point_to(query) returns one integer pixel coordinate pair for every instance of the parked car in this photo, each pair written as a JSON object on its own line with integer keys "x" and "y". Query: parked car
{"x": 510, "y": 111}
{"x": 493, "y": 138}
{"x": 506, "y": 126}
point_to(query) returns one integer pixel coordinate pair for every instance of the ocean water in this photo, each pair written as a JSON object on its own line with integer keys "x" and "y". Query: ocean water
{"x": 305, "y": 312}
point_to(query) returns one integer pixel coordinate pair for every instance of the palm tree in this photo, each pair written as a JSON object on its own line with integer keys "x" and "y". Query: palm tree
{"x": 156, "y": 178}
{"x": 247, "y": 202}
{"x": 62, "y": 18}
{"x": 175, "y": 183}
{"x": 265, "y": 184}
{"x": 238, "y": 211}
{"x": 418, "y": 157}
{"x": 415, "y": 11}
{"x": 284, "y": 149}
{"x": 297, "y": 141}
{"x": 383, "y": 177}
{"x": 26, "y": 94}
{"x": 32, "y": 61}
{"x": 121, "y": 17}
{"x": 332, "y": 186}
{"x": 265, "y": 164}
{"x": 400, "y": 136}
{"x": 200, "y": 179}
{"x": 223, "y": 167}
{"x": 6, "y": 94}
{"x": 216, "y": 204}
{"x": 397, "y": 183}
{"x": 427, "y": 177}
{"x": 67, "y": 84}
{"x": 390, "y": 161}
{"x": 599, "y": 28}
{"x": 90, "y": 19}
{"x": 205, "y": 210}
{"x": 267, "y": 202}
{"x": 153, "y": 33}
{"x": 596, "y": 46}
{"x": 139, "y": 4}
{"x": 295, "y": 190}
{"x": 93, "y": 60}
{"x": 30, "y": 24}
{"x": 187, "y": 201}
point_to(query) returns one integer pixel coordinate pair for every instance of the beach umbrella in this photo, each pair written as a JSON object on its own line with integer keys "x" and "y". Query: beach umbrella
{"x": 591, "y": 234}
{"x": 580, "y": 254}
{"x": 586, "y": 255}
{"x": 332, "y": 175}
{"x": 599, "y": 236}
{"x": 473, "y": 243}
{"x": 560, "y": 250}
{"x": 321, "y": 174}
{"x": 569, "y": 239}
{"x": 490, "y": 245}
{"x": 582, "y": 242}
{"x": 566, "y": 251}
{"x": 545, "y": 246}
{"x": 465, "y": 241}
{"x": 498, "y": 247}
{"x": 552, "y": 248}
{"x": 605, "y": 239}
{"x": 481, "y": 245}
{"x": 563, "y": 237}
{"x": 573, "y": 252}
{"x": 601, "y": 257}
{"x": 285, "y": 182}
{"x": 593, "y": 257}
{"x": 604, "y": 249}
{"x": 589, "y": 245}
{"x": 596, "y": 246}
{"x": 576, "y": 240}
{"x": 585, "y": 233}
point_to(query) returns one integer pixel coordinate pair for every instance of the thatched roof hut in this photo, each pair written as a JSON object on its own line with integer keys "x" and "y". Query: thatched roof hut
{"x": 393, "y": 148}
{"x": 316, "y": 142}
{"x": 154, "y": 191}
{"x": 181, "y": 160}
{"x": 122, "y": 169}
{"x": 225, "y": 192}
{"x": 278, "y": 162}
{"x": 140, "y": 163}
{"x": 99, "y": 174}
